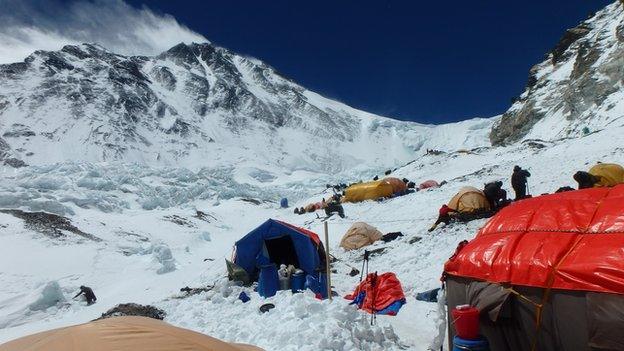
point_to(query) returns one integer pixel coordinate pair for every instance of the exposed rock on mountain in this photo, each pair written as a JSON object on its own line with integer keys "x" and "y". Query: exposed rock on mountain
{"x": 577, "y": 89}
{"x": 194, "y": 105}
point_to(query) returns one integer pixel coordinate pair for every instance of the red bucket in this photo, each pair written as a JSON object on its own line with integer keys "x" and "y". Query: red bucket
{"x": 466, "y": 320}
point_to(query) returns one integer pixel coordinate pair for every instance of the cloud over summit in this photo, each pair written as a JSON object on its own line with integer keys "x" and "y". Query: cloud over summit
{"x": 29, "y": 25}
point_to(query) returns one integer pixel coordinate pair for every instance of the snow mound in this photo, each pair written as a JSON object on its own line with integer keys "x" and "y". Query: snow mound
{"x": 162, "y": 254}
{"x": 51, "y": 295}
{"x": 298, "y": 322}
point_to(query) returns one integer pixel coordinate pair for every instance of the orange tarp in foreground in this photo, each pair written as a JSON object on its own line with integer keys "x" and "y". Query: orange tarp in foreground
{"x": 122, "y": 334}
{"x": 572, "y": 240}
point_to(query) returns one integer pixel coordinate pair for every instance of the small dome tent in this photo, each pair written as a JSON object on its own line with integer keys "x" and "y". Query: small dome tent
{"x": 608, "y": 174}
{"x": 360, "y": 235}
{"x": 368, "y": 191}
{"x": 428, "y": 184}
{"x": 469, "y": 199}
{"x": 122, "y": 334}
{"x": 281, "y": 243}
{"x": 547, "y": 273}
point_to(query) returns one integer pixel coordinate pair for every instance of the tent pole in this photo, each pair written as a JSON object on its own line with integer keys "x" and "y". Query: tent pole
{"x": 328, "y": 266}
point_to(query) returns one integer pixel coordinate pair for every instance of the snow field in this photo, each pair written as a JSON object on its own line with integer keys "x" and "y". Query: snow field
{"x": 124, "y": 266}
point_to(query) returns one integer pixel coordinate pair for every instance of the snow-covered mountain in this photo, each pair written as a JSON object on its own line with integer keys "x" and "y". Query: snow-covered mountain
{"x": 195, "y": 105}
{"x": 577, "y": 89}
{"x": 149, "y": 169}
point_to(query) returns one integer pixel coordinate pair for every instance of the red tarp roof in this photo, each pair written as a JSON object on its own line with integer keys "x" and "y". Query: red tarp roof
{"x": 572, "y": 240}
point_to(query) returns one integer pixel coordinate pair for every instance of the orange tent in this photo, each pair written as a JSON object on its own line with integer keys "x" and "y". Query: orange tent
{"x": 398, "y": 185}
{"x": 546, "y": 273}
{"x": 572, "y": 240}
{"x": 122, "y": 334}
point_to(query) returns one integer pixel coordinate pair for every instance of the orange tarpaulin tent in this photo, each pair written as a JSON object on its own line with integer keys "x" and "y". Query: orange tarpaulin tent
{"x": 546, "y": 273}
{"x": 122, "y": 334}
{"x": 572, "y": 240}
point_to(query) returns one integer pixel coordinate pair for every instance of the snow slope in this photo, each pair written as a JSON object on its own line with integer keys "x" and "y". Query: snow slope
{"x": 125, "y": 265}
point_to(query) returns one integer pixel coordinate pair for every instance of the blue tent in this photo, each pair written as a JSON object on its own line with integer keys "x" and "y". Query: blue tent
{"x": 280, "y": 243}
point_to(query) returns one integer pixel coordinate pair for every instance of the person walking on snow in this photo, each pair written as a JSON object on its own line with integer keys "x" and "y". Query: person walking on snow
{"x": 88, "y": 293}
{"x": 444, "y": 216}
{"x": 519, "y": 182}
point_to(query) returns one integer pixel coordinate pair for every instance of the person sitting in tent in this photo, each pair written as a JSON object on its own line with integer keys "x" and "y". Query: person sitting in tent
{"x": 88, "y": 293}
{"x": 519, "y": 182}
{"x": 495, "y": 194}
{"x": 334, "y": 206}
{"x": 443, "y": 217}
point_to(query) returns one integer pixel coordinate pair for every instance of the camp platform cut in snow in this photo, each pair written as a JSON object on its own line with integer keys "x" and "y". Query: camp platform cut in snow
{"x": 122, "y": 334}
{"x": 547, "y": 273}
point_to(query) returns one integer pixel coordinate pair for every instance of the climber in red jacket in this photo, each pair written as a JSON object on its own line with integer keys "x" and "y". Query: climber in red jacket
{"x": 443, "y": 217}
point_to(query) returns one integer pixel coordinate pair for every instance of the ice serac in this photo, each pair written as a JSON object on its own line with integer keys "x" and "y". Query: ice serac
{"x": 577, "y": 89}
{"x": 195, "y": 105}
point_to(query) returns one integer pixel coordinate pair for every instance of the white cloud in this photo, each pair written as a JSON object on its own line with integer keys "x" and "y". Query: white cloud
{"x": 29, "y": 25}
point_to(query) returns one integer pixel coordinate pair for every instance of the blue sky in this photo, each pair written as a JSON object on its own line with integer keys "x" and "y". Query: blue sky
{"x": 423, "y": 61}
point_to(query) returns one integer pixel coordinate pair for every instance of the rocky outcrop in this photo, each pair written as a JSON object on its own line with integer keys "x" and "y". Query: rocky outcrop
{"x": 134, "y": 309}
{"x": 49, "y": 224}
{"x": 577, "y": 88}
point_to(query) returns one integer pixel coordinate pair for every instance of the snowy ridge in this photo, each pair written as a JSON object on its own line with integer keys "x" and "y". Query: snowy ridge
{"x": 194, "y": 106}
{"x": 577, "y": 89}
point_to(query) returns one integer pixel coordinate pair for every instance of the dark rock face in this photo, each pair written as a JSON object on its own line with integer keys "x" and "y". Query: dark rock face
{"x": 134, "y": 309}
{"x": 578, "y": 83}
{"x": 6, "y": 156}
{"x": 570, "y": 37}
{"x": 49, "y": 224}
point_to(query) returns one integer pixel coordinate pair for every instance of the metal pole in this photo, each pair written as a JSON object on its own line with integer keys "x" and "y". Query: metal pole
{"x": 328, "y": 266}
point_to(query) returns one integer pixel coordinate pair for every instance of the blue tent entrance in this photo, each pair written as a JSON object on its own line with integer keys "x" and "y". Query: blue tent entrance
{"x": 280, "y": 243}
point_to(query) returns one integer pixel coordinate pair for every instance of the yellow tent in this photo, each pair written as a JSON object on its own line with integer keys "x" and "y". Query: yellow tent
{"x": 608, "y": 174}
{"x": 367, "y": 191}
{"x": 122, "y": 334}
{"x": 359, "y": 235}
{"x": 469, "y": 199}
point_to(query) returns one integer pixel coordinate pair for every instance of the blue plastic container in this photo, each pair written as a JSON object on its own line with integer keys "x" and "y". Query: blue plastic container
{"x": 284, "y": 203}
{"x": 243, "y": 297}
{"x": 268, "y": 281}
{"x": 480, "y": 344}
{"x": 297, "y": 282}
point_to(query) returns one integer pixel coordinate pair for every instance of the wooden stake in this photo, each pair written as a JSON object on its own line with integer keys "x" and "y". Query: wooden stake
{"x": 328, "y": 273}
